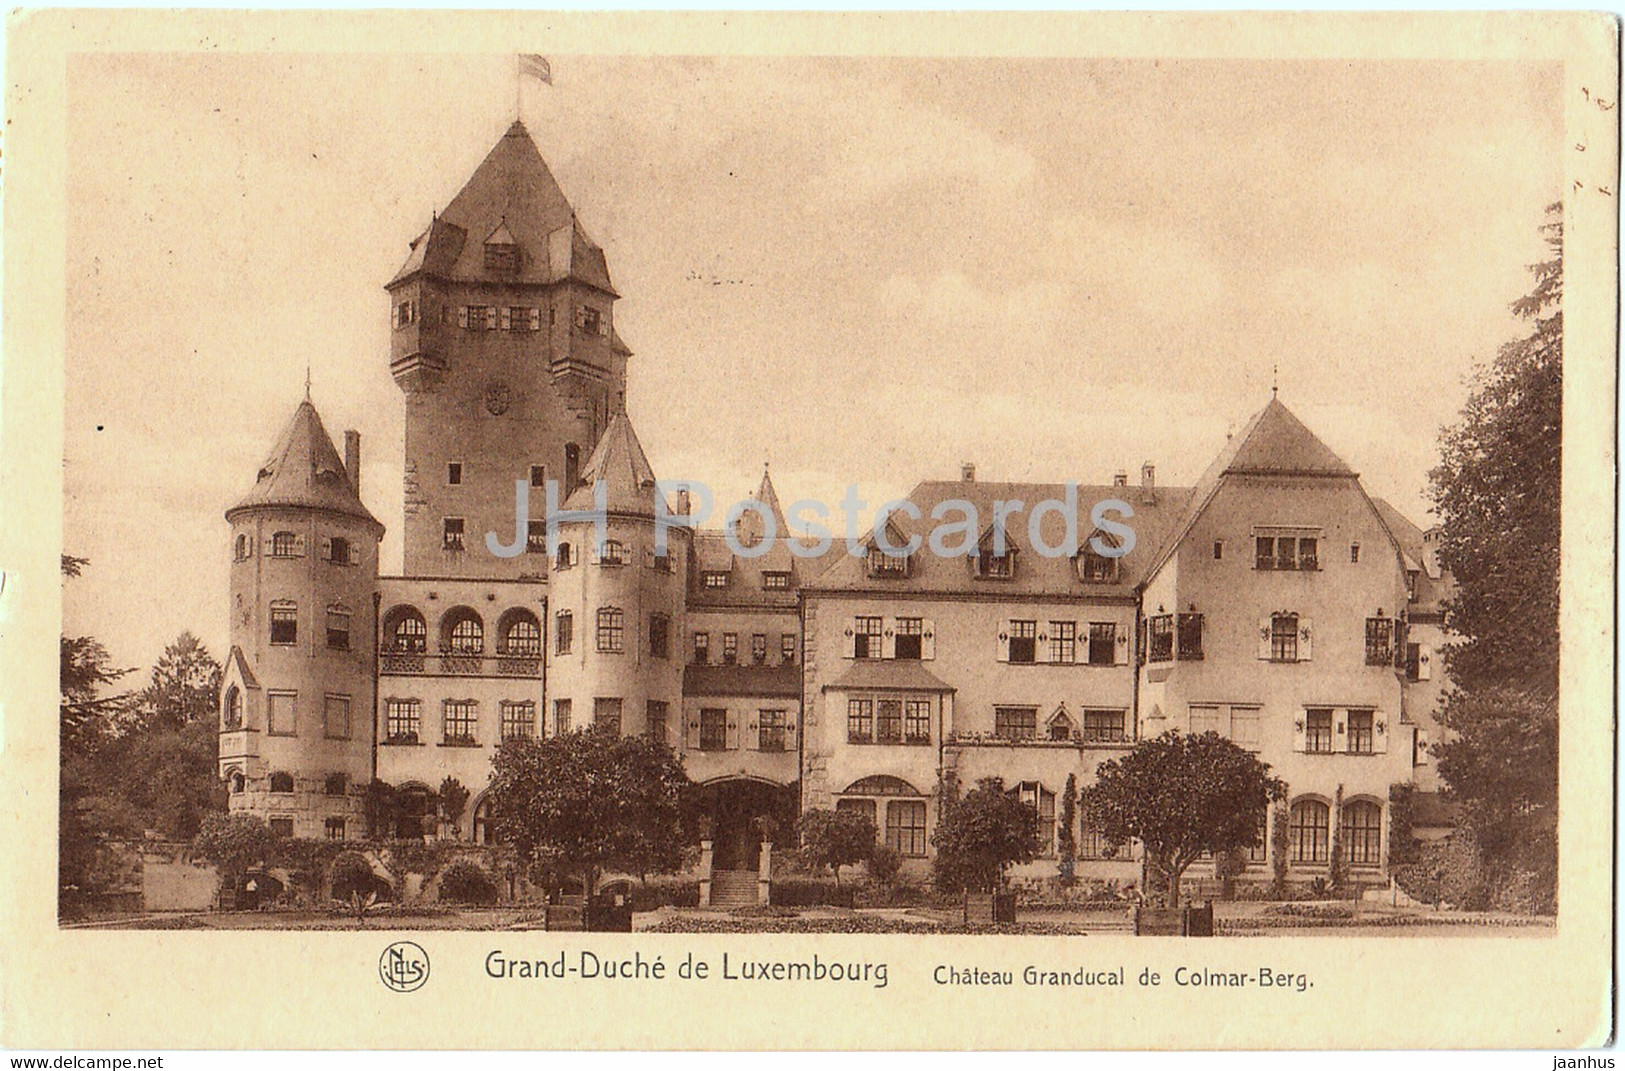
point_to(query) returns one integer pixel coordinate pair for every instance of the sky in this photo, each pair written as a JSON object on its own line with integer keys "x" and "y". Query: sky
{"x": 864, "y": 271}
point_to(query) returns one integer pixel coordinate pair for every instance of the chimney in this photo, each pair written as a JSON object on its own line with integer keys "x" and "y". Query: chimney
{"x": 682, "y": 502}
{"x": 1148, "y": 476}
{"x": 967, "y": 472}
{"x": 1120, "y": 478}
{"x": 352, "y": 459}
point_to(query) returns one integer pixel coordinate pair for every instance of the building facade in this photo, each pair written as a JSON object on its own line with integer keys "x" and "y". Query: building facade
{"x": 1274, "y": 602}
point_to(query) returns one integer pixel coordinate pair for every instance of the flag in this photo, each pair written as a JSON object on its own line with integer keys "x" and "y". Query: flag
{"x": 537, "y": 67}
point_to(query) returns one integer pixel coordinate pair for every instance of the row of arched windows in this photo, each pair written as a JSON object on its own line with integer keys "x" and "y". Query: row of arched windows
{"x": 461, "y": 631}
{"x": 1309, "y": 832}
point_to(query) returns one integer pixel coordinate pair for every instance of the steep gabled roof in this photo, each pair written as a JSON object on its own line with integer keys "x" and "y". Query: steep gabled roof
{"x": 512, "y": 195}
{"x": 305, "y": 470}
{"x": 1276, "y": 443}
{"x": 618, "y": 461}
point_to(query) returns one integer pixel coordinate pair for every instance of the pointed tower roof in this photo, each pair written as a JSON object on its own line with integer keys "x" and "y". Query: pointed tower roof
{"x": 513, "y": 196}
{"x": 304, "y": 470}
{"x": 1276, "y": 443}
{"x": 619, "y": 461}
{"x": 769, "y": 497}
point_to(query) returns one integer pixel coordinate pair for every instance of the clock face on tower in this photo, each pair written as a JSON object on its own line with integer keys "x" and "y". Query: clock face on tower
{"x": 497, "y": 397}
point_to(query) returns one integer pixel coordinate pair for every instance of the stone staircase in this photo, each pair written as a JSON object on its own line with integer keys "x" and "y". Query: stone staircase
{"x": 733, "y": 888}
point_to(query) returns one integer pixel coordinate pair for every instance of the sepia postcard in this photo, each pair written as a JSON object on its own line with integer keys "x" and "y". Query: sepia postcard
{"x": 808, "y": 531}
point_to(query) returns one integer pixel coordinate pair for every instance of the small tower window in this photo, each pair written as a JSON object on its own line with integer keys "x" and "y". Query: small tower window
{"x": 454, "y": 473}
{"x": 284, "y": 624}
{"x": 234, "y": 708}
{"x": 281, "y": 781}
{"x": 1354, "y": 554}
{"x": 538, "y": 476}
{"x": 339, "y": 551}
{"x": 611, "y": 630}
{"x": 245, "y": 548}
{"x": 237, "y": 782}
{"x": 284, "y": 545}
{"x": 451, "y": 533}
{"x": 336, "y": 784}
{"x": 406, "y": 313}
{"x": 338, "y": 627}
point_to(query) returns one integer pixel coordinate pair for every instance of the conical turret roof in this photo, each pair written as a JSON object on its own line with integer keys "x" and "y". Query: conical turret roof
{"x": 618, "y": 461}
{"x": 304, "y": 470}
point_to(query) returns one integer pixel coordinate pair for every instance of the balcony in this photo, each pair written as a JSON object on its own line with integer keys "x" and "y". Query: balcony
{"x": 396, "y": 662}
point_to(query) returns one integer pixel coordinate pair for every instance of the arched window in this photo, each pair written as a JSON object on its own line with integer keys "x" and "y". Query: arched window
{"x": 462, "y": 632}
{"x": 284, "y": 545}
{"x": 233, "y": 717}
{"x": 519, "y": 634}
{"x": 236, "y": 782}
{"x": 611, "y": 630}
{"x": 245, "y": 547}
{"x": 281, "y": 781}
{"x": 881, "y": 785}
{"x": 899, "y": 821}
{"x": 1309, "y": 831}
{"x": 1362, "y": 833}
{"x": 1042, "y": 801}
{"x": 485, "y": 828}
{"x": 405, "y": 632}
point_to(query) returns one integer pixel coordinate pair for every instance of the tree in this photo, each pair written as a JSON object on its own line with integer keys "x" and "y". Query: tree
{"x": 589, "y": 801}
{"x": 836, "y": 838}
{"x": 981, "y": 835}
{"x": 235, "y": 844}
{"x": 1067, "y": 840}
{"x": 1497, "y": 493}
{"x": 453, "y": 800}
{"x": 185, "y": 686}
{"x": 1179, "y": 796}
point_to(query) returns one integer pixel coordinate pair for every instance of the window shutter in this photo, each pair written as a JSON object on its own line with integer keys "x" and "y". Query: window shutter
{"x": 1264, "y": 645}
{"x": 267, "y": 548}
{"x": 888, "y": 637}
{"x": 1004, "y": 642}
{"x": 1422, "y": 756}
{"x": 928, "y": 640}
{"x": 462, "y": 316}
{"x": 1120, "y": 648}
{"x": 327, "y": 548}
{"x": 536, "y": 319}
{"x": 649, "y": 557}
{"x": 581, "y": 316}
{"x": 691, "y": 732}
{"x": 394, "y": 315}
{"x": 753, "y": 736}
{"x": 299, "y": 545}
{"x": 355, "y": 554}
{"x": 731, "y": 737}
{"x": 1340, "y": 730}
{"x": 491, "y": 317}
{"x": 1379, "y": 733}
{"x": 790, "y": 731}
{"x": 505, "y": 318}
{"x": 1306, "y": 639}
{"x": 1424, "y": 662}
{"x": 603, "y": 325}
{"x": 1300, "y": 741}
{"x": 851, "y": 637}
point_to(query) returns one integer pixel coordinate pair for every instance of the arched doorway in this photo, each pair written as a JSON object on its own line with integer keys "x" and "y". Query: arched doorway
{"x": 741, "y": 813}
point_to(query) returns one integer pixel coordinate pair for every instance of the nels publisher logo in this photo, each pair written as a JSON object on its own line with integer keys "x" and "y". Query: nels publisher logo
{"x": 404, "y": 966}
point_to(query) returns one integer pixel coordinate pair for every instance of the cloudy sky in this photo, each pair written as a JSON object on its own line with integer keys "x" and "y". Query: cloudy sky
{"x": 865, "y": 271}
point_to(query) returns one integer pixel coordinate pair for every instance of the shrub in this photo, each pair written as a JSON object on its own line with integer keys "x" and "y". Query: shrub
{"x": 836, "y": 839}
{"x": 799, "y": 893}
{"x": 353, "y": 875}
{"x": 664, "y": 892}
{"x": 883, "y": 864}
{"x": 464, "y": 882}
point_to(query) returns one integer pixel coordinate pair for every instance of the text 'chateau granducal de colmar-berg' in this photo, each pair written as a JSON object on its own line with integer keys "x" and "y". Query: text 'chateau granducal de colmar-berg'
{"x": 1274, "y": 602}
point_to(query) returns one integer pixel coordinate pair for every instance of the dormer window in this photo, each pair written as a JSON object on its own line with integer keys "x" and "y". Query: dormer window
{"x": 993, "y": 566}
{"x": 776, "y": 581}
{"x": 887, "y": 564}
{"x": 1097, "y": 568}
{"x": 501, "y": 251}
{"x": 405, "y": 314}
{"x": 714, "y": 578}
{"x": 1410, "y": 584}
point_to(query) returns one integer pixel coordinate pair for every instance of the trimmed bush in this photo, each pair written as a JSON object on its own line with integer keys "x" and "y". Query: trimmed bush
{"x": 464, "y": 882}
{"x": 664, "y": 892}
{"x": 797, "y": 893}
{"x": 883, "y": 864}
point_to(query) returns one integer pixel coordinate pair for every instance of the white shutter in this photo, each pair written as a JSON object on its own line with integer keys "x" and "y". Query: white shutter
{"x": 731, "y": 737}
{"x": 1422, "y": 756}
{"x": 1300, "y": 736}
{"x": 1380, "y": 731}
{"x": 1340, "y": 730}
{"x": 536, "y": 319}
{"x": 491, "y": 317}
{"x": 355, "y": 554}
{"x": 1264, "y": 641}
{"x": 299, "y": 545}
{"x": 928, "y": 640}
{"x": 888, "y": 637}
{"x": 327, "y": 548}
{"x": 267, "y": 550}
{"x": 505, "y": 318}
{"x": 1004, "y": 642}
{"x": 1424, "y": 662}
{"x": 691, "y": 731}
{"x": 603, "y": 325}
{"x": 1120, "y": 647}
{"x": 462, "y": 316}
{"x": 851, "y": 637}
{"x": 753, "y": 735}
{"x": 394, "y": 315}
{"x": 1306, "y": 639}
{"x": 581, "y": 316}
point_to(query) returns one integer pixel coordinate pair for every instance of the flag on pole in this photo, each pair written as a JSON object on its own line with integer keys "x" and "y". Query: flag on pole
{"x": 537, "y": 67}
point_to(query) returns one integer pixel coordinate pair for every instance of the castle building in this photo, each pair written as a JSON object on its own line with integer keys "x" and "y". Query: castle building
{"x": 1273, "y": 602}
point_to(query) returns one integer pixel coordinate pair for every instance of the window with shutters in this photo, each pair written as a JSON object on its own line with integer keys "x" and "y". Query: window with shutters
{"x": 1102, "y": 643}
{"x": 524, "y": 318}
{"x": 1161, "y": 633}
{"x": 758, "y": 649}
{"x": 280, "y": 713}
{"x": 866, "y": 633}
{"x": 1063, "y": 642}
{"x": 611, "y": 630}
{"x": 654, "y": 719}
{"x": 1244, "y": 727}
{"x": 660, "y": 635}
{"x": 1360, "y": 731}
{"x": 1206, "y": 719}
{"x": 518, "y": 719}
{"x": 479, "y": 317}
{"x": 1190, "y": 637}
{"x": 614, "y": 553}
{"x": 1309, "y": 831}
{"x": 458, "y": 721}
{"x": 339, "y": 551}
{"x": 1024, "y": 642}
{"x": 1379, "y": 641}
{"x": 1362, "y": 833}
{"x": 564, "y": 631}
{"x": 338, "y": 628}
{"x": 1015, "y": 723}
{"x": 908, "y": 639}
{"x": 905, "y": 827}
{"x": 1413, "y": 661}
{"x": 702, "y": 648}
{"x": 284, "y": 545}
{"x": 451, "y": 534}
{"x": 730, "y": 648}
{"x": 1284, "y": 638}
{"x": 713, "y": 729}
{"x": 402, "y": 718}
{"x": 336, "y": 717}
{"x": 770, "y": 730}
{"x": 284, "y": 623}
{"x": 1104, "y": 726}
{"x": 565, "y": 558}
{"x": 606, "y": 715}
{"x": 860, "y": 721}
{"x": 1317, "y": 735}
